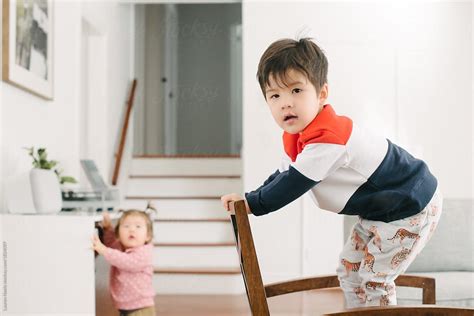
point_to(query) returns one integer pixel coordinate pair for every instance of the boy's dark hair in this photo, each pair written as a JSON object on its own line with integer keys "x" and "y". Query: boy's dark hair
{"x": 285, "y": 54}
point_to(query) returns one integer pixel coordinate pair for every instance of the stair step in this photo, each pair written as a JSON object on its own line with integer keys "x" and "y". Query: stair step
{"x": 198, "y": 284}
{"x": 178, "y": 187}
{"x": 180, "y": 209}
{"x": 203, "y": 270}
{"x": 190, "y": 232}
{"x": 194, "y": 256}
{"x": 187, "y": 197}
{"x": 191, "y": 156}
{"x": 194, "y": 220}
{"x": 158, "y": 165}
{"x": 181, "y": 177}
{"x": 216, "y": 244}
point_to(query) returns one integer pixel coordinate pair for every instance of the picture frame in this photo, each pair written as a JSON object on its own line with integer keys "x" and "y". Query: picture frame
{"x": 28, "y": 46}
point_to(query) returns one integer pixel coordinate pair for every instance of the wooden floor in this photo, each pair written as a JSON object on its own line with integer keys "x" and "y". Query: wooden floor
{"x": 306, "y": 303}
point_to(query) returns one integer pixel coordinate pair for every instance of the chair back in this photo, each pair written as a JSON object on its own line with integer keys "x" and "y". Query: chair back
{"x": 248, "y": 260}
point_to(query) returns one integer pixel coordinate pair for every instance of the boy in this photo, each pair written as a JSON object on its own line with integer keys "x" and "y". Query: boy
{"x": 347, "y": 170}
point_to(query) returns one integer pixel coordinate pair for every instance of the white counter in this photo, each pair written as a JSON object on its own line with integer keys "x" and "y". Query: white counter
{"x": 47, "y": 264}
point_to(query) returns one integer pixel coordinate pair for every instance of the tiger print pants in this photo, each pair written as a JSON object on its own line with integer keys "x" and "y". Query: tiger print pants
{"x": 377, "y": 252}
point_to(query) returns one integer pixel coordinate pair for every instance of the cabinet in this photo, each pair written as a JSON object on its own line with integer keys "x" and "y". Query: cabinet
{"x": 47, "y": 265}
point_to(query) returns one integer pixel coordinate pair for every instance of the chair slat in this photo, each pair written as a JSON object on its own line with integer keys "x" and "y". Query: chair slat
{"x": 301, "y": 285}
{"x": 249, "y": 263}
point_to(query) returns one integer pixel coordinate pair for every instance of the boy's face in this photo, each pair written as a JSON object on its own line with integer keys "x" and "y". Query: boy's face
{"x": 133, "y": 231}
{"x": 295, "y": 104}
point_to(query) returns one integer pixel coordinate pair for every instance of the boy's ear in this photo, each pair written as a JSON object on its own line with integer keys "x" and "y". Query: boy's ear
{"x": 323, "y": 94}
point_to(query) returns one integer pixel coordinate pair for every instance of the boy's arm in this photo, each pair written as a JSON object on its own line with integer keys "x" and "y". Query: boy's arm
{"x": 284, "y": 188}
{"x": 270, "y": 179}
{"x": 285, "y": 163}
{"x": 314, "y": 164}
{"x": 132, "y": 261}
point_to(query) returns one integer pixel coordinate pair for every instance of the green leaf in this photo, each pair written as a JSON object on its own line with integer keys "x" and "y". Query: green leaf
{"x": 67, "y": 179}
{"x": 42, "y": 155}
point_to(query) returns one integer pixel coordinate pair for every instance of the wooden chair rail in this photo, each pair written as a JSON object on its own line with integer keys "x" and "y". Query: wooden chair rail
{"x": 419, "y": 310}
{"x": 425, "y": 283}
{"x": 299, "y": 285}
{"x": 321, "y": 282}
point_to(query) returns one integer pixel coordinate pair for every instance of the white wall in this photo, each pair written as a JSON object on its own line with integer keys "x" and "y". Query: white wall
{"x": 401, "y": 69}
{"x": 1, "y": 115}
{"x": 31, "y": 121}
{"x": 113, "y": 20}
{"x": 27, "y": 120}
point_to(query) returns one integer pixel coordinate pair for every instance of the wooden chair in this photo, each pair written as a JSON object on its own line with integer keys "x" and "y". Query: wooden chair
{"x": 257, "y": 292}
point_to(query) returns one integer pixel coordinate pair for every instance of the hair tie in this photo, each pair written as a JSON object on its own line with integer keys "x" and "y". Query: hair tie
{"x": 150, "y": 208}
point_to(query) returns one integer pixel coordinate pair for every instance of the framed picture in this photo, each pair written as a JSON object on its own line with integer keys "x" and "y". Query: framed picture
{"x": 28, "y": 45}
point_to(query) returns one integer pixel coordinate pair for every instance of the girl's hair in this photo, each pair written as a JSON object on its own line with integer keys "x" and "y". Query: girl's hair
{"x": 301, "y": 55}
{"x": 146, "y": 215}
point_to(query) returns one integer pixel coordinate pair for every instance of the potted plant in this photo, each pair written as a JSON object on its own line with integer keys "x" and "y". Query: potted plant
{"x": 45, "y": 178}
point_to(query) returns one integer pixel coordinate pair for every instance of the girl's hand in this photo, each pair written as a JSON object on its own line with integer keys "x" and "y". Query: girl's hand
{"x": 226, "y": 199}
{"x": 97, "y": 245}
{"x": 106, "y": 222}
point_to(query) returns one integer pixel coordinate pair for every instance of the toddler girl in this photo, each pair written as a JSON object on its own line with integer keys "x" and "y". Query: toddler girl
{"x": 128, "y": 249}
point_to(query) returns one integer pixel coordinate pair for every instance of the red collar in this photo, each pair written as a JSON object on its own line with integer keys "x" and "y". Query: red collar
{"x": 326, "y": 127}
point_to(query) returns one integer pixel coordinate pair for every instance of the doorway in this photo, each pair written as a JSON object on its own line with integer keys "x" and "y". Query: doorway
{"x": 188, "y": 59}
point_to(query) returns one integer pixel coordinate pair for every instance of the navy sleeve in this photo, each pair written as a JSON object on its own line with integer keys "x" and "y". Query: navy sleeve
{"x": 270, "y": 179}
{"x": 284, "y": 188}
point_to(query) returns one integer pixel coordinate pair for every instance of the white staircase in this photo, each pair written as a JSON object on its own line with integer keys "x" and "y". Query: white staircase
{"x": 194, "y": 243}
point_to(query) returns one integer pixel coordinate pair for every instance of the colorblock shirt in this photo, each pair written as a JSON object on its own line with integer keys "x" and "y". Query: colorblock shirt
{"x": 346, "y": 170}
{"x": 131, "y": 273}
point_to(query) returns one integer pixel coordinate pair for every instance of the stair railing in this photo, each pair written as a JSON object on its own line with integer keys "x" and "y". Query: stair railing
{"x": 123, "y": 134}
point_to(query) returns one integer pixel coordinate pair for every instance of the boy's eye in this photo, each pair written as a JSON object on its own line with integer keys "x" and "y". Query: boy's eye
{"x": 296, "y": 90}
{"x": 274, "y": 96}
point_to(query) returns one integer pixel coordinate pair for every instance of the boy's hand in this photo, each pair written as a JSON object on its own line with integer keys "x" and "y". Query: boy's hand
{"x": 97, "y": 245}
{"x": 226, "y": 199}
{"x": 106, "y": 222}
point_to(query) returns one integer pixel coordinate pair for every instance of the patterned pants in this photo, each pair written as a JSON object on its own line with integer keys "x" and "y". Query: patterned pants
{"x": 377, "y": 252}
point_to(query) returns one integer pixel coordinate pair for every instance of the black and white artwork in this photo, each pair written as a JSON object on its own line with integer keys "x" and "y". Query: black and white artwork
{"x": 28, "y": 55}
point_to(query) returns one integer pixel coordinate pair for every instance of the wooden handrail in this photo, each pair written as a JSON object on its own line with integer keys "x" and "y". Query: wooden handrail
{"x": 123, "y": 135}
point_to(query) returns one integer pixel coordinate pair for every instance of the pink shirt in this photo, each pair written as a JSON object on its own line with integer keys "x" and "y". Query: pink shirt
{"x": 131, "y": 273}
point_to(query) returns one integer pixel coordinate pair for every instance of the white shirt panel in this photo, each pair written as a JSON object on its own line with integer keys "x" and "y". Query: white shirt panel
{"x": 333, "y": 193}
{"x": 366, "y": 151}
{"x": 317, "y": 161}
{"x": 285, "y": 163}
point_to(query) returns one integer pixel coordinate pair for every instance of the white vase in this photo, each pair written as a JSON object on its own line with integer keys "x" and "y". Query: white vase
{"x": 46, "y": 191}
